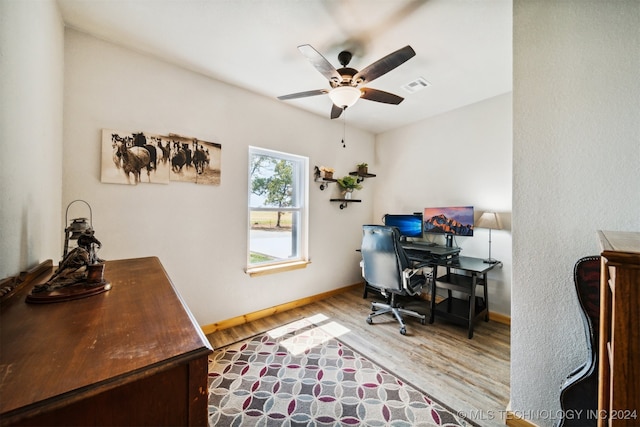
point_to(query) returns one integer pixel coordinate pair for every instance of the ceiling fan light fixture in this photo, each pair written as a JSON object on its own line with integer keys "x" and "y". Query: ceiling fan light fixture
{"x": 344, "y": 96}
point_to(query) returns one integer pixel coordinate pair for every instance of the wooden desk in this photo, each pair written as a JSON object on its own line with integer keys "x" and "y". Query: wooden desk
{"x": 464, "y": 311}
{"x": 133, "y": 355}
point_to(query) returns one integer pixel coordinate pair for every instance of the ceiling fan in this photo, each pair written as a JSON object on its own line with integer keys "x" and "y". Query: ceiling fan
{"x": 347, "y": 83}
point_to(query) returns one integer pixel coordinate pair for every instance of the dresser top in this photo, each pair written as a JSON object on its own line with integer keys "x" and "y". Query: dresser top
{"x": 620, "y": 244}
{"x": 88, "y": 345}
{"x": 620, "y": 241}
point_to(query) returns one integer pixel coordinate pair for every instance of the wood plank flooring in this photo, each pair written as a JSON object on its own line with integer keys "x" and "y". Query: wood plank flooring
{"x": 468, "y": 375}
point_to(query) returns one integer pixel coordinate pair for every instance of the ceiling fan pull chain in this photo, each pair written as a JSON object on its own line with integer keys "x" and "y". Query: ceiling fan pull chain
{"x": 344, "y": 128}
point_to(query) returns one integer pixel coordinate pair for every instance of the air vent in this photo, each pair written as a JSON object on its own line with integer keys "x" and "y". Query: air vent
{"x": 416, "y": 85}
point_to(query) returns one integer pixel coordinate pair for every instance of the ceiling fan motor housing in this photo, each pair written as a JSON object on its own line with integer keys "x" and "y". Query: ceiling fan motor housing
{"x": 347, "y": 77}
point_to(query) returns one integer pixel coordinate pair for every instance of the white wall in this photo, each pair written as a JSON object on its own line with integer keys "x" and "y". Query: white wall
{"x": 456, "y": 159}
{"x": 31, "y": 71}
{"x": 199, "y": 232}
{"x": 576, "y": 168}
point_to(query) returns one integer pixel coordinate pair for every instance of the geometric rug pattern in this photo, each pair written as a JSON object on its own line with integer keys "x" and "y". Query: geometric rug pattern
{"x": 302, "y": 375}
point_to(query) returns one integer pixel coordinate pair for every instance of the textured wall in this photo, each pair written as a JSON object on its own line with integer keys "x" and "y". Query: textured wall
{"x": 576, "y": 160}
{"x": 31, "y": 97}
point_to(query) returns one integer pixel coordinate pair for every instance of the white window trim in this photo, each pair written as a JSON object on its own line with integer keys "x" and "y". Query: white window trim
{"x": 303, "y": 180}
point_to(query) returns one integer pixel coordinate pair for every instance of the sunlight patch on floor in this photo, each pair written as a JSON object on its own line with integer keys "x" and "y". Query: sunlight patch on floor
{"x": 297, "y": 325}
{"x": 322, "y": 332}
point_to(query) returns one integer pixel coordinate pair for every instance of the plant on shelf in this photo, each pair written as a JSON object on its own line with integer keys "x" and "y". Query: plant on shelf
{"x": 326, "y": 173}
{"x": 363, "y": 168}
{"x": 348, "y": 183}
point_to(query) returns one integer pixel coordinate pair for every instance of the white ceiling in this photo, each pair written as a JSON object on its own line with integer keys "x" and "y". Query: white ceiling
{"x": 463, "y": 47}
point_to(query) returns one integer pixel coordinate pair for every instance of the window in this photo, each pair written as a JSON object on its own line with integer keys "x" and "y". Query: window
{"x": 277, "y": 211}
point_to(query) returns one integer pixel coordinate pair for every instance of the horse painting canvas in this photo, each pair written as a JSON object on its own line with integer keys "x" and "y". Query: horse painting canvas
{"x": 133, "y": 157}
{"x": 142, "y": 157}
{"x": 195, "y": 160}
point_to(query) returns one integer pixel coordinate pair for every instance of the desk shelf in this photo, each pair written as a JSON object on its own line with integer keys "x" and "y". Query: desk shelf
{"x": 457, "y": 310}
{"x": 463, "y": 276}
{"x": 458, "y": 282}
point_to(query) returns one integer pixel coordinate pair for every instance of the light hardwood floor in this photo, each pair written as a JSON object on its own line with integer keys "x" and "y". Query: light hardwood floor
{"x": 468, "y": 375}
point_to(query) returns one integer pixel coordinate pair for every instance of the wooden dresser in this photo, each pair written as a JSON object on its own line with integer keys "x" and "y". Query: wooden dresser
{"x": 619, "y": 372}
{"x": 133, "y": 355}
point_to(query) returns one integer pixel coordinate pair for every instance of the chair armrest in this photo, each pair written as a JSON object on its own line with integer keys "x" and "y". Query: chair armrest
{"x": 423, "y": 264}
{"x": 407, "y": 274}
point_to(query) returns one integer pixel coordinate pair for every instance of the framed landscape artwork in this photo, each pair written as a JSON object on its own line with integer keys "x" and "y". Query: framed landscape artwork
{"x": 142, "y": 157}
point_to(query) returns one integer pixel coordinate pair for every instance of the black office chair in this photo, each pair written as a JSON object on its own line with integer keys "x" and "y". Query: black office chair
{"x": 386, "y": 267}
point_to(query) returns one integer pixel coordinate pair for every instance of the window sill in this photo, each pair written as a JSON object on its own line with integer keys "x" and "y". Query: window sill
{"x": 277, "y": 268}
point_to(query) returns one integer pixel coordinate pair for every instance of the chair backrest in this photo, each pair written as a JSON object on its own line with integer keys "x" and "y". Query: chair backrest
{"x": 383, "y": 257}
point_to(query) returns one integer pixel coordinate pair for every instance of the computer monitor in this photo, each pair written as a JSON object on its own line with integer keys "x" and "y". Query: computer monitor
{"x": 409, "y": 225}
{"x": 450, "y": 221}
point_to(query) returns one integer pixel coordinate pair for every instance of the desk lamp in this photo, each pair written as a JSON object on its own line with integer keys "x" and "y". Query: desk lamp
{"x": 491, "y": 221}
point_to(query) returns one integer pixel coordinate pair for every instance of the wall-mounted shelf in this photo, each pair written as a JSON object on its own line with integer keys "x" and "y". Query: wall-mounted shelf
{"x": 324, "y": 182}
{"x": 345, "y": 202}
{"x": 362, "y": 176}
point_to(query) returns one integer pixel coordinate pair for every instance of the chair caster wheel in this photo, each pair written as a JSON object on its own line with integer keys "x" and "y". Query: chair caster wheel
{"x": 403, "y": 331}
{"x": 370, "y": 320}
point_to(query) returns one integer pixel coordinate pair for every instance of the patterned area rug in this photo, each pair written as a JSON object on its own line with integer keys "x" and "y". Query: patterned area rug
{"x": 302, "y": 375}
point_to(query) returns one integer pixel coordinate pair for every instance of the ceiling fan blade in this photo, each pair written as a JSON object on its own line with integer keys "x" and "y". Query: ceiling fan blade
{"x": 303, "y": 94}
{"x": 335, "y": 111}
{"x": 380, "y": 96}
{"x": 386, "y": 64}
{"x": 320, "y": 62}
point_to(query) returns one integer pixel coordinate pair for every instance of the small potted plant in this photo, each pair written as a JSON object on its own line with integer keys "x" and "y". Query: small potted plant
{"x": 363, "y": 168}
{"x": 326, "y": 173}
{"x": 348, "y": 183}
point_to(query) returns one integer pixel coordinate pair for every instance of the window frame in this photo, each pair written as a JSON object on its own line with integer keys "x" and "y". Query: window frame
{"x": 299, "y": 232}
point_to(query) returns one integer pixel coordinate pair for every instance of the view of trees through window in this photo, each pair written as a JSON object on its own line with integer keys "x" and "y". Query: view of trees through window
{"x": 275, "y": 206}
